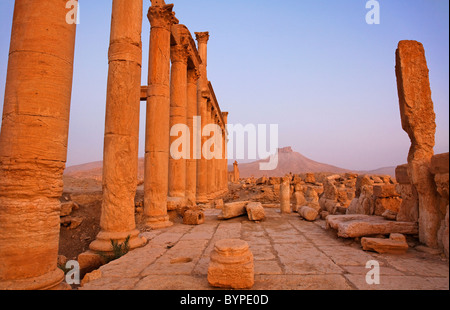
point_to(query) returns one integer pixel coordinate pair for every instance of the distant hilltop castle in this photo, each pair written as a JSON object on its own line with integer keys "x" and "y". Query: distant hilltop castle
{"x": 287, "y": 149}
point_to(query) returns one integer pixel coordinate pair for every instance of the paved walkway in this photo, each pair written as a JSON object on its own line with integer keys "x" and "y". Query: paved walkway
{"x": 289, "y": 254}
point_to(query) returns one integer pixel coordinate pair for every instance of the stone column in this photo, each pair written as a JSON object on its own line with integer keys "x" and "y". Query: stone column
{"x": 156, "y": 174}
{"x": 192, "y": 111}
{"x": 225, "y": 152}
{"x": 418, "y": 120}
{"x": 202, "y": 166}
{"x": 178, "y": 106}
{"x": 211, "y": 162}
{"x": 217, "y": 154}
{"x": 202, "y": 163}
{"x": 121, "y": 145}
{"x": 236, "y": 172}
{"x": 33, "y": 144}
{"x": 285, "y": 195}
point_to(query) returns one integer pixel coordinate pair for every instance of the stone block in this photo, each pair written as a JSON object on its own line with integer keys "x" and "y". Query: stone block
{"x": 401, "y": 174}
{"x": 233, "y": 209}
{"x": 409, "y": 208}
{"x": 396, "y": 244}
{"x": 255, "y": 211}
{"x": 391, "y": 204}
{"x": 385, "y": 191}
{"x": 308, "y": 213}
{"x": 89, "y": 261}
{"x": 353, "y": 226}
{"x": 68, "y": 207}
{"x": 193, "y": 217}
{"x": 440, "y": 164}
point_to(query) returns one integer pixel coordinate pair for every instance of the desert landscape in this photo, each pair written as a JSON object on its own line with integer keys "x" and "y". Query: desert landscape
{"x": 184, "y": 215}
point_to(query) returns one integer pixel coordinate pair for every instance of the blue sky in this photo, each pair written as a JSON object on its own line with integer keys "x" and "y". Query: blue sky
{"x": 315, "y": 67}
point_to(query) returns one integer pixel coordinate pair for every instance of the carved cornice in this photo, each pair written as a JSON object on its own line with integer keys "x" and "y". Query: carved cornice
{"x": 162, "y": 16}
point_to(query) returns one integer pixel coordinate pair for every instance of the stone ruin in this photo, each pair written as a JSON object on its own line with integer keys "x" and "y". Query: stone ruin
{"x": 34, "y": 136}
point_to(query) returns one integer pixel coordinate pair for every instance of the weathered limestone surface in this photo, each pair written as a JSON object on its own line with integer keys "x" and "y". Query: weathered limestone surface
{"x": 352, "y": 226}
{"x": 299, "y": 197}
{"x": 440, "y": 170}
{"x": 33, "y": 143}
{"x": 193, "y": 217}
{"x": 120, "y": 157}
{"x": 396, "y": 244}
{"x": 236, "y": 172}
{"x": 308, "y": 213}
{"x": 192, "y": 111}
{"x": 233, "y": 209}
{"x": 231, "y": 265}
{"x": 409, "y": 208}
{"x": 418, "y": 121}
{"x": 202, "y": 165}
{"x": 285, "y": 195}
{"x": 178, "y": 115}
{"x": 364, "y": 204}
{"x": 255, "y": 211}
{"x": 156, "y": 175}
{"x": 289, "y": 254}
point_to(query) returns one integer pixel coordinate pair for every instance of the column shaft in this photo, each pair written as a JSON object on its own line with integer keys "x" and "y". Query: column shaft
{"x": 121, "y": 145}
{"x": 192, "y": 111}
{"x": 211, "y": 162}
{"x": 33, "y": 143}
{"x": 178, "y": 116}
{"x": 202, "y": 87}
{"x": 202, "y": 164}
{"x": 156, "y": 174}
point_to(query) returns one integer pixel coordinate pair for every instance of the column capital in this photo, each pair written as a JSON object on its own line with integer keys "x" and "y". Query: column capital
{"x": 202, "y": 37}
{"x": 193, "y": 75}
{"x": 161, "y": 15}
{"x": 179, "y": 53}
{"x": 225, "y": 117}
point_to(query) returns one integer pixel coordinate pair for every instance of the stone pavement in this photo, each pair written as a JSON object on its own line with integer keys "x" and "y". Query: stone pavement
{"x": 289, "y": 254}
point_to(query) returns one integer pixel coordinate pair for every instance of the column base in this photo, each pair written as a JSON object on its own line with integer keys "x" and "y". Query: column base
{"x": 103, "y": 240}
{"x": 47, "y": 281}
{"x": 158, "y": 222}
{"x": 202, "y": 199}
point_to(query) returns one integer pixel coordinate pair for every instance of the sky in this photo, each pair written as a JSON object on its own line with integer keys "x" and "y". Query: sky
{"x": 314, "y": 67}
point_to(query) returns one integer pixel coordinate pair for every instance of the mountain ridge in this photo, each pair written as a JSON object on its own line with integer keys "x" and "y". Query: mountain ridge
{"x": 289, "y": 161}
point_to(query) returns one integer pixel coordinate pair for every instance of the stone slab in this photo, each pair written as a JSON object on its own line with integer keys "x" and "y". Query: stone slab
{"x": 353, "y": 226}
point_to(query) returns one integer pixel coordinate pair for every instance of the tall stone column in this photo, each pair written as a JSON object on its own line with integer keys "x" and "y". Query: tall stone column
{"x": 192, "y": 111}
{"x": 178, "y": 115}
{"x": 121, "y": 146}
{"x": 218, "y": 155}
{"x": 418, "y": 120}
{"x": 211, "y": 162}
{"x": 202, "y": 164}
{"x": 156, "y": 173}
{"x": 285, "y": 195}
{"x": 225, "y": 152}
{"x": 33, "y": 144}
{"x": 236, "y": 176}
